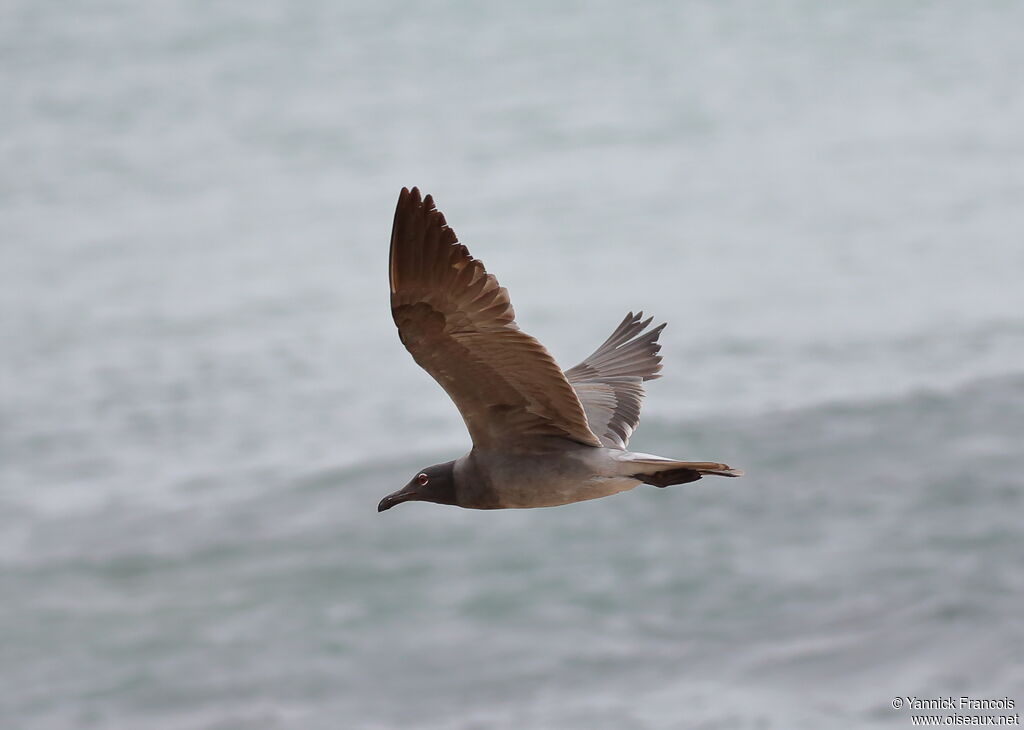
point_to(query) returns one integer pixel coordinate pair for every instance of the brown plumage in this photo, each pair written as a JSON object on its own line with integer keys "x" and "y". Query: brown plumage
{"x": 459, "y": 325}
{"x": 540, "y": 437}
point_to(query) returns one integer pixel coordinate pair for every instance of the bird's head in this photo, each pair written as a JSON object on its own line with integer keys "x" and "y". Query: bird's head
{"x": 433, "y": 484}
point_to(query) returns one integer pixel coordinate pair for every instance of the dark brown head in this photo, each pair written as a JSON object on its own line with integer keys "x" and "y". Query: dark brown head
{"x": 433, "y": 484}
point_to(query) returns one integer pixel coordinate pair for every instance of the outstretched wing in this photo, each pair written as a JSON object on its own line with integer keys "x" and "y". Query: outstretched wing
{"x": 609, "y": 383}
{"x": 459, "y": 326}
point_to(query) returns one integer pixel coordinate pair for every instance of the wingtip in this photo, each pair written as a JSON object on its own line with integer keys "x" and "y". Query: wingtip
{"x": 410, "y": 192}
{"x": 637, "y": 318}
{"x": 416, "y": 197}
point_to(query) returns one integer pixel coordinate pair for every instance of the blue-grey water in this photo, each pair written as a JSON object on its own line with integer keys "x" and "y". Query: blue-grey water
{"x": 202, "y": 395}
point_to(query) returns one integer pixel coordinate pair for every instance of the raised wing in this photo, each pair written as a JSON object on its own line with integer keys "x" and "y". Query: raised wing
{"x": 459, "y": 326}
{"x": 609, "y": 383}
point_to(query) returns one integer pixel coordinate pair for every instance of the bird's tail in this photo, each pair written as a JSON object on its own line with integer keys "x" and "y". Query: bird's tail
{"x": 662, "y": 472}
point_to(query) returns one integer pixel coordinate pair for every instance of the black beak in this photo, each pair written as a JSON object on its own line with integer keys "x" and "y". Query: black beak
{"x": 402, "y": 495}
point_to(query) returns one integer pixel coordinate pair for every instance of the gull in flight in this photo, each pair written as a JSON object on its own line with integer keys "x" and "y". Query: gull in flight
{"x": 541, "y": 437}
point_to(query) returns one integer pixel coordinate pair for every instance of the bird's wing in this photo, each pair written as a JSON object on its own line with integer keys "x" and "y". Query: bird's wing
{"x": 459, "y": 325}
{"x": 609, "y": 383}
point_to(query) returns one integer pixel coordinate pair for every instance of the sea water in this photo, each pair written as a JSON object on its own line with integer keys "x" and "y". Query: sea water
{"x": 203, "y": 397}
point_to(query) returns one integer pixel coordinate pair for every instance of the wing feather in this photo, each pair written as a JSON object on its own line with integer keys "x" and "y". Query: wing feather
{"x": 610, "y": 381}
{"x": 459, "y": 325}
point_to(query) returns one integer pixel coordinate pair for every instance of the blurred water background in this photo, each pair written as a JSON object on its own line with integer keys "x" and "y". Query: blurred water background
{"x": 203, "y": 395}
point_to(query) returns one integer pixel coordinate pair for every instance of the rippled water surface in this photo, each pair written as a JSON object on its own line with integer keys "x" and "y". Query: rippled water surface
{"x": 202, "y": 395}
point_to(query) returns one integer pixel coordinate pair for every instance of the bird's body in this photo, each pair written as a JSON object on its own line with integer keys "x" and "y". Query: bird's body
{"x": 547, "y": 475}
{"x": 541, "y": 437}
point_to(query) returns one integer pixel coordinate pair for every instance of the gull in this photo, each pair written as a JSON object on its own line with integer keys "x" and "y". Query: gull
{"x": 541, "y": 437}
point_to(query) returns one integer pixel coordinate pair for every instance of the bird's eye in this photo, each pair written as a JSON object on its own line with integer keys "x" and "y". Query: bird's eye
{"x": 422, "y": 479}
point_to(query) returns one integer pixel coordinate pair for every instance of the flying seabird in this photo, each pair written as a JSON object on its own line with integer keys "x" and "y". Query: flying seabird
{"x": 541, "y": 437}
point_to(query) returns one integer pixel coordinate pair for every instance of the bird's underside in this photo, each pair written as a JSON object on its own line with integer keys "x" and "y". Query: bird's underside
{"x": 541, "y": 437}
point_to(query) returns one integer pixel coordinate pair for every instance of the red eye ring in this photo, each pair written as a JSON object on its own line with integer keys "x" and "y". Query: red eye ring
{"x": 422, "y": 479}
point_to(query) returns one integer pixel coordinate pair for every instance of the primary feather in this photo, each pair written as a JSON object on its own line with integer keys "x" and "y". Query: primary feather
{"x": 609, "y": 382}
